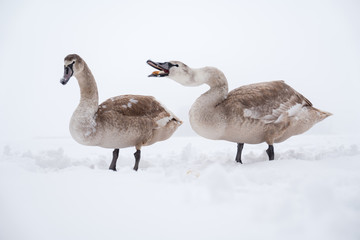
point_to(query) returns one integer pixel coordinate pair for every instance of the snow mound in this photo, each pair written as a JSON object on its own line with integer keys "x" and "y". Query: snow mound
{"x": 186, "y": 188}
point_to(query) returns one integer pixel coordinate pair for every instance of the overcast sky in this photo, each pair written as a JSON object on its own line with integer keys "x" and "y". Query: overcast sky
{"x": 313, "y": 45}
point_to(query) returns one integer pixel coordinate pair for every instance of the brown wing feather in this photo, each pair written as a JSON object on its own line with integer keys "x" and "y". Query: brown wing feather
{"x": 264, "y": 98}
{"x": 134, "y": 105}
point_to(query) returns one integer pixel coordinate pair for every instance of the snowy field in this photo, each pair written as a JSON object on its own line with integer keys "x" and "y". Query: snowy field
{"x": 186, "y": 188}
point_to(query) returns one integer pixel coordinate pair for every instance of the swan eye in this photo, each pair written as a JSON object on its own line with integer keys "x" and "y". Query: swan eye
{"x": 71, "y": 65}
{"x": 170, "y": 65}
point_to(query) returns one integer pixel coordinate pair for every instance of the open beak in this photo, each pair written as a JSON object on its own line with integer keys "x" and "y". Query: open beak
{"x": 68, "y": 72}
{"x": 163, "y": 68}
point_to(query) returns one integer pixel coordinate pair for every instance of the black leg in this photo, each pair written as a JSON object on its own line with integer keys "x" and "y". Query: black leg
{"x": 238, "y": 154}
{"x": 137, "y": 159}
{"x": 270, "y": 152}
{"x": 115, "y": 157}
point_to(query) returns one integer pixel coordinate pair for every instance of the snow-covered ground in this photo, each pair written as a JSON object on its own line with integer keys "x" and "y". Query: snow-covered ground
{"x": 186, "y": 188}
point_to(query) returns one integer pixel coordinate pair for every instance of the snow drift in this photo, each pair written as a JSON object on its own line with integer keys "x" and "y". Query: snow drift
{"x": 186, "y": 188}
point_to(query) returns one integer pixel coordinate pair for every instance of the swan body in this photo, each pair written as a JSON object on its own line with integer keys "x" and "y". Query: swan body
{"x": 268, "y": 112}
{"x": 119, "y": 122}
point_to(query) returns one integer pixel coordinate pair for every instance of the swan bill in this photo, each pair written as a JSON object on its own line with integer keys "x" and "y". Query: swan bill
{"x": 68, "y": 72}
{"x": 163, "y": 68}
{"x": 158, "y": 74}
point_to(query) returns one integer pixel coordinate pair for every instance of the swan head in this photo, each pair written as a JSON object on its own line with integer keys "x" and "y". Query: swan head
{"x": 73, "y": 64}
{"x": 176, "y": 71}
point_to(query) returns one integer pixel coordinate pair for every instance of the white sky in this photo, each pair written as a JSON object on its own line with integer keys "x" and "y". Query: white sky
{"x": 313, "y": 45}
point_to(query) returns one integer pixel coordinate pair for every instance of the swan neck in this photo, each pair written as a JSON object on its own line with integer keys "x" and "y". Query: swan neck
{"x": 205, "y": 113}
{"x": 83, "y": 124}
{"x": 214, "y": 95}
{"x": 217, "y": 82}
{"x": 88, "y": 88}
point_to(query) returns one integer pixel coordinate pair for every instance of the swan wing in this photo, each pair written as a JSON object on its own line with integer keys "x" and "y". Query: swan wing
{"x": 269, "y": 102}
{"x": 138, "y": 106}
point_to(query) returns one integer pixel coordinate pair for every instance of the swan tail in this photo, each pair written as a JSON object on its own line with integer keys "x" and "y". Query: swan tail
{"x": 307, "y": 118}
{"x": 321, "y": 115}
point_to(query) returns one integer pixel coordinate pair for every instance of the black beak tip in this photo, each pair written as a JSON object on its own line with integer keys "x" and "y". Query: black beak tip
{"x": 63, "y": 81}
{"x": 153, "y": 75}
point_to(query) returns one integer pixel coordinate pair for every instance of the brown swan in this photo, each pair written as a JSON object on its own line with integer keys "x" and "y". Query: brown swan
{"x": 268, "y": 112}
{"x": 119, "y": 122}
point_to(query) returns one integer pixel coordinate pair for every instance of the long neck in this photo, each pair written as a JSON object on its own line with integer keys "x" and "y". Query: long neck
{"x": 89, "y": 97}
{"x": 83, "y": 125}
{"x": 217, "y": 82}
{"x": 204, "y": 115}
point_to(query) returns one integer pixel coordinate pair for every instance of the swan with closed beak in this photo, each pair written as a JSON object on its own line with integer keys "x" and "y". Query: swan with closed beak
{"x": 119, "y": 122}
{"x": 268, "y": 112}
